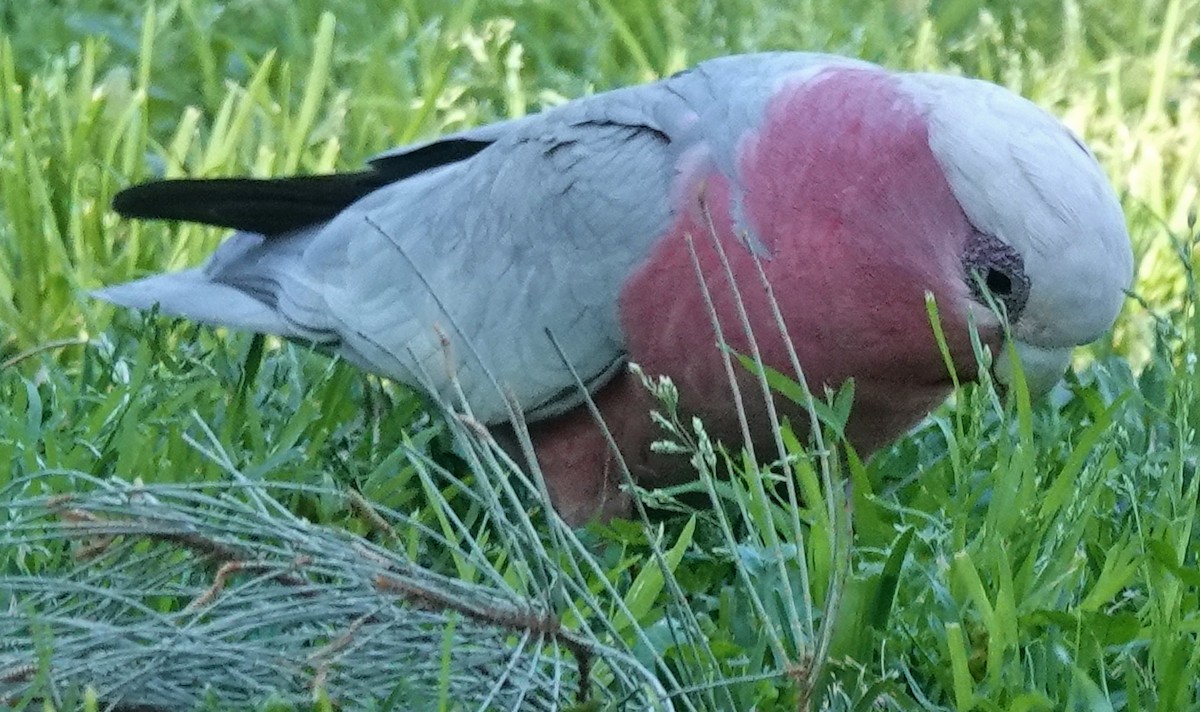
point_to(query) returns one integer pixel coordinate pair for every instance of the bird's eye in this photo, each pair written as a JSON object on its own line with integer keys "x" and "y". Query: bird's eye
{"x": 995, "y": 272}
{"x": 998, "y": 283}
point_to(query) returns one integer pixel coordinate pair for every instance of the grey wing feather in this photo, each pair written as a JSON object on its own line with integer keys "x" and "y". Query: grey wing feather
{"x": 531, "y": 238}
{"x": 485, "y": 259}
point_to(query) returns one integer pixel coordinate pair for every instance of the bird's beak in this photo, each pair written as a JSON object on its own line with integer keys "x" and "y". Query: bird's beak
{"x": 1043, "y": 367}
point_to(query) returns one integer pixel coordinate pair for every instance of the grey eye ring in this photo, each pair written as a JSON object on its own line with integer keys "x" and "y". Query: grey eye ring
{"x": 995, "y": 273}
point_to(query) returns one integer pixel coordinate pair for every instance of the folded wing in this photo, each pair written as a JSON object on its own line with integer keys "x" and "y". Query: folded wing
{"x": 495, "y": 247}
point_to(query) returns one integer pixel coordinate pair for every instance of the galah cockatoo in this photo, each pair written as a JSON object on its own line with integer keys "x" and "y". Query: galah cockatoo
{"x": 577, "y": 233}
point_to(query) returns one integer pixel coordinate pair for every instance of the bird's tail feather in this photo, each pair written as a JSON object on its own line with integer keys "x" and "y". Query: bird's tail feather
{"x": 192, "y": 294}
{"x": 275, "y": 206}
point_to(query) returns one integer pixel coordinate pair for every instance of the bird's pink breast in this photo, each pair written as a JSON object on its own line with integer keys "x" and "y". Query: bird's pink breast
{"x": 840, "y": 191}
{"x": 856, "y": 222}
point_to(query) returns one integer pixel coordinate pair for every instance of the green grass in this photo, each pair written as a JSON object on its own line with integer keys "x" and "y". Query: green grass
{"x": 1005, "y": 556}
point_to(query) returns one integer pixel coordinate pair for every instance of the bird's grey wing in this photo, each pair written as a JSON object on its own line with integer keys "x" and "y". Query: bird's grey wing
{"x": 496, "y": 246}
{"x": 481, "y": 267}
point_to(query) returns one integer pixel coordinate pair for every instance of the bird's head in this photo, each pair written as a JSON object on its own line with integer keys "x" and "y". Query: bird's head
{"x": 1050, "y": 246}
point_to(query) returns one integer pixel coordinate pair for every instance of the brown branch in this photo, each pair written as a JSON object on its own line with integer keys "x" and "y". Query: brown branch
{"x": 197, "y": 543}
{"x": 230, "y": 568}
{"x": 59, "y": 500}
{"x": 18, "y": 673}
{"x": 94, "y": 548}
{"x": 363, "y": 508}
{"x": 546, "y": 626}
{"x": 80, "y": 518}
{"x": 377, "y": 559}
{"x": 322, "y": 655}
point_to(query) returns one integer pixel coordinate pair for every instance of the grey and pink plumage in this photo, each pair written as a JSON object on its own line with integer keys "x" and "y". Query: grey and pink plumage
{"x": 857, "y": 189}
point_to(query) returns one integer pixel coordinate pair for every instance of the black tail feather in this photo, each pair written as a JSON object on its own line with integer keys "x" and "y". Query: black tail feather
{"x": 280, "y": 205}
{"x": 269, "y": 207}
